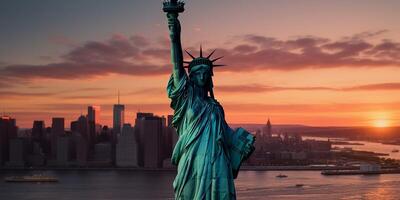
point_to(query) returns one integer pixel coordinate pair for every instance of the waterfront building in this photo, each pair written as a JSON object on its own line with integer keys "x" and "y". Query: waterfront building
{"x": 299, "y": 155}
{"x": 36, "y": 158}
{"x": 127, "y": 148}
{"x": 86, "y": 129}
{"x": 139, "y": 132}
{"x": 57, "y": 130}
{"x": 82, "y": 139}
{"x": 38, "y": 131}
{"x": 63, "y": 150}
{"x": 81, "y": 149}
{"x": 8, "y": 131}
{"x": 319, "y": 146}
{"x": 259, "y": 142}
{"x": 102, "y": 155}
{"x": 18, "y": 153}
{"x": 150, "y": 129}
{"x": 370, "y": 167}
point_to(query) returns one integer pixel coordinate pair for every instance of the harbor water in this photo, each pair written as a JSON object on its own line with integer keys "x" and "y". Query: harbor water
{"x": 128, "y": 185}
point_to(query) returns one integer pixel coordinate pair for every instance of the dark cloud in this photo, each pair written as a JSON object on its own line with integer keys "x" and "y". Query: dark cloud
{"x": 379, "y": 86}
{"x": 74, "y": 70}
{"x": 387, "y": 49}
{"x": 366, "y": 35}
{"x": 135, "y": 56}
{"x": 256, "y": 88}
{"x": 308, "y": 108}
{"x": 312, "y": 52}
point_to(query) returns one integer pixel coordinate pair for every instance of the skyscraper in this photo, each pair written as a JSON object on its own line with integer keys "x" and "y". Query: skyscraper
{"x": 18, "y": 152}
{"x": 40, "y": 138}
{"x": 127, "y": 148}
{"x": 81, "y": 149}
{"x": 93, "y": 114}
{"x": 267, "y": 130}
{"x": 93, "y": 118}
{"x": 63, "y": 150}
{"x": 153, "y": 129}
{"x": 57, "y": 130}
{"x": 38, "y": 131}
{"x": 8, "y": 131}
{"x": 118, "y": 117}
{"x": 140, "y": 134}
{"x": 81, "y": 135}
{"x": 150, "y": 129}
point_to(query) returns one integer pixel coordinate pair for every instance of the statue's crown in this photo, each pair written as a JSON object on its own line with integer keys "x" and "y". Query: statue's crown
{"x": 202, "y": 60}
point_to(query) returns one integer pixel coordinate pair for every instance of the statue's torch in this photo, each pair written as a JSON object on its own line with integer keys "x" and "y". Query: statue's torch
{"x": 173, "y": 6}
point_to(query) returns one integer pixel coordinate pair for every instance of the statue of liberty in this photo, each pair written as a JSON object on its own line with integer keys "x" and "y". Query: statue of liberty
{"x": 208, "y": 153}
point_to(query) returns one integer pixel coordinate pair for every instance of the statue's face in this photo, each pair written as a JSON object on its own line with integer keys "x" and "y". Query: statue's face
{"x": 200, "y": 75}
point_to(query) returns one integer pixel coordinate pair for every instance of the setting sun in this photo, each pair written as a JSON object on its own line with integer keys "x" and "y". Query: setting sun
{"x": 381, "y": 123}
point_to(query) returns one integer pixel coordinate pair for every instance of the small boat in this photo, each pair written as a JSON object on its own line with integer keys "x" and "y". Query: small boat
{"x": 299, "y": 185}
{"x": 33, "y": 178}
{"x": 281, "y": 176}
{"x": 395, "y": 151}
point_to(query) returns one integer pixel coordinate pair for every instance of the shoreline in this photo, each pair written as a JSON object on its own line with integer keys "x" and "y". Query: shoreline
{"x": 243, "y": 168}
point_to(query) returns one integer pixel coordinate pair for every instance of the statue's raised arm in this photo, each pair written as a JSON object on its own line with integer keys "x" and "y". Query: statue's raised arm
{"x": 173, "y": 8}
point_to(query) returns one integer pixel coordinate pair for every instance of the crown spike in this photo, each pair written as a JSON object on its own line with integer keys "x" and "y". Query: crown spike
{"x": 217, "y": 59}
{"x": 201, "y": 52}
{"x": 218, "y": 65}
{"x": 189, "y": 54}
{"x": 208, "y": 57}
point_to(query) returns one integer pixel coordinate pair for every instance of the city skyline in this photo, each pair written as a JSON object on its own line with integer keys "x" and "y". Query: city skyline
{"x": 317, "y": 63}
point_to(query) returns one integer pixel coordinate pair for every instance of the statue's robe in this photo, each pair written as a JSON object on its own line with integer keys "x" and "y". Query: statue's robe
{"x": 207, "y": 156}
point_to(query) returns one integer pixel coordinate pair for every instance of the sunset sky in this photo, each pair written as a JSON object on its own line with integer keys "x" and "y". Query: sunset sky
{"x": 312, "y": 62}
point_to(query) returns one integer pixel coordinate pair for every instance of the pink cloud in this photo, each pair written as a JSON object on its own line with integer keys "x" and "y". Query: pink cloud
{"x": 133, "y": 55}
{"x": 256, "y": 88}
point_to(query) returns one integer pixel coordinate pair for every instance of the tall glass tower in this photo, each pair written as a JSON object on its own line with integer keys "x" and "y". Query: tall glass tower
{"x": 118, "y": 117}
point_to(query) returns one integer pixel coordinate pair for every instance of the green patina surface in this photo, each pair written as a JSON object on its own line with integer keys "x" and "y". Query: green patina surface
{"x": 208, "y": 153}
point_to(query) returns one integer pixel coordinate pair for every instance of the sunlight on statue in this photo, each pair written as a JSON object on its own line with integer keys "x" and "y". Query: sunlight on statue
{"x": 208, "y": 153}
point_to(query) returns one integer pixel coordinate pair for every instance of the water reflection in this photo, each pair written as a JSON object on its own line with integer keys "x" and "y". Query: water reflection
{"x": 368, "y": 146}
{"x": 124, "y": 185}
